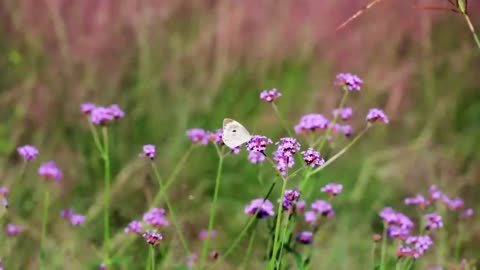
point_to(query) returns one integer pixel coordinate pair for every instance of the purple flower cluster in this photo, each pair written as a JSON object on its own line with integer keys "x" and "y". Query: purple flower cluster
{"x": 198, "y": 135}
{"x": 415, "y": 246}
{"x": 310, "y": 123}
{"x": 13, "y": 229}
{"x": 50, "y": 171}
{"x": 156, "y": 217}
{"x": 433, "y": 221}
{"x": 28, "y": 152}
{"x": 134, "y": 226}
{"x": 323, "y": 207}
{"x": 75, "y": 219}
{"x": 101, "y": 115}
{"x": 310, "y": 217}
{"x": 152, "y": 237}
{"x": 305, "y": 237}
{"x": 332, "y": 189}
{"x": 312, "y": 158}
{"x": 256, "y": 157}
{"x": 399, "y": 225}
{"x": 375, "y": 114}
{"x": 287, "y": 147}
{"x": 203, "y": 235}
{"x": 258, "y": 143}
{"x": 264, "y": 208}
{"x": 149, "y": 150}
{"x": 344, "y": 113}
{"x": 270, "y": 95}
{"x": 418, "y": 200}
{"x": 349, "y": 81}
{"x": 290, "y": 199}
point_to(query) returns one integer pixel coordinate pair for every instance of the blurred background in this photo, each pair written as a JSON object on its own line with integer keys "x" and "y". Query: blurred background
{"x": 174, "y": 64}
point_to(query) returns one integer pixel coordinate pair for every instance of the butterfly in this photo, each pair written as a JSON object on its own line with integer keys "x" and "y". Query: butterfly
{"x": 234, "y": 134}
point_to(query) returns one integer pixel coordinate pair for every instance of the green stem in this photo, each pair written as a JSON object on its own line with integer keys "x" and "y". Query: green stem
{"x": 276, "y": 238}
{"x": 472, "y": 29}
{"x": 148, "y": 265}
{"x": 95, "y": 136}
{"x": 249, "y": 249}
{"x": 212, "y": 211}
{"x": 384, "y": 248}
{"x": 170, "y": 210}
{"x": 372, "y": 254}
{"x": 335, "y": 118}
{"x": 107, "y": 196}
{"x": 46, "y": 205}
{"x": 152, "y": 251}
{"x": 282, "y": 120}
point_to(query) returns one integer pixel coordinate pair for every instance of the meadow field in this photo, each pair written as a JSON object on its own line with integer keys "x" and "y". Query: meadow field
{"x": 362, "y": 151}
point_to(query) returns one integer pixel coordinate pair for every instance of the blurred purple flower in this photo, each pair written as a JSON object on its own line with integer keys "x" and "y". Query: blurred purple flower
{"x": 256, "y": 157}
{"x": 215, "y": 137}
{"x": 270, "y": 95}
{"x": 156, "y": 217}
{"x": 434, "y": 221}
{"x": 290, "y": 199}
{"x": 453, "y": 204}
{"x": 435, "y": 193}
{"x": 87, "y": 107}
{"x": 305, "y": 237}
{"x": 312, "y": 158}
{"x": 322, "y": 207}
{"x": 310, "y": 217}
{"x": 375, "y": 114}
{"x": 311, "y": 123}
{"x": 264, "y": 208}
{"x": 397, "y": 232}
{"x": 198, "y": 135}
{"x": 419, "y": 245}
{"x": 116, "y": 111}
{"x": 333, "y": 189}
{"x": 235, "y": 150}
{"x": 103, "y": 266}
{"x": 204, "y": 234}
{"x": 50, "y": 171}
{"x": 28, "y": 152}
{"x": 75, "y": 219}
{"x": 392, "y": 217}
{"x": 347, "y": 130}
{"x": 300, "y": 206}
{"x": 101, "y": 116}
{"x": 191, "y": 260}
{"x": 467, "y": 212}
{"x": 418, "y": 200}
{"x": 149, "y": 150}
{"x": 349, "y": 81}
{"x": 13, "y": 230}
{"x": 152, "y": 237}
{"x": 258, "y": 143}
{"x": 344, "y": 113}
{"x": 134, "y": 226}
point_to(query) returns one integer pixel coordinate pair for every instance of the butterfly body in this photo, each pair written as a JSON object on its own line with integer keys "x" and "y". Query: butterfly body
{"x": 234, "y": 133}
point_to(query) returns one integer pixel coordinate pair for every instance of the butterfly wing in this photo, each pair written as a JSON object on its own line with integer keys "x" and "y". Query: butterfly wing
{"x": 234, "y": 134}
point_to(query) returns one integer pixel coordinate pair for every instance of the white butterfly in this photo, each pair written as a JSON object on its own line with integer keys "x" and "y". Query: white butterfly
{"x": 234, "y": 134}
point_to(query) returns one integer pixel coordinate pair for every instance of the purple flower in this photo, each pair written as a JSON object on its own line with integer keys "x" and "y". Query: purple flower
{"x": 283, "y": 161}
{"x": 203, "y": 235}
{"x": 453, "y": 204}
{"x": 3, "y": 195}
{"x": 191, "y": 260}
{"x": 434, "y": 221}
{"x": 77, "y": 219}
{"x": 398, "y": 232}
{"x": 288, "y": 146}
{"x": 116, "y": 111}
{"x": 419, "y": 245}
{"x": 235, "y": 150}
{"x": 134, "y": 226}
{"x": 375, "y": 114}
{"x": 13, "y": 230}
{"x": 50, "y": 171}
{"x": 332, "y": 189}
{"x": 149, "y": 151}
{"x": 156, "y": 217}
{"x": 256, "y": 157}
{"x": 103, "y": 266}
{"x": 300, "y": 206}
{"x": 322, "y": 207}
{"x": 435, "y": 193}
{"x": 264, "y": 208}
{"x": 467, "y": 212}
{"x": 344, "y": 113}
{"x": 392, "y": 217}
{"x": 198, "y": 135}
{"x": 311, "y": 123}
{"x": 290, "y": 199}
{"x": 87, "y": 107}
{"x": 312, "y": 158}
{"x": 347, "y": 130}
{"x": 305, "y": 237}
{"x": 418, "y": 200}
{"x": 215, "y": 137}
{"x": 258, "y": 143}
{"x": 270, "y": 95}
{"x": 349, "y": 81}
{"x": 101, "y": 116}
{"x": 152, "y": 237}
{"x": 67, "y": 213}
{"x": 310, "y": 217}
{"x": 28, "y": 152}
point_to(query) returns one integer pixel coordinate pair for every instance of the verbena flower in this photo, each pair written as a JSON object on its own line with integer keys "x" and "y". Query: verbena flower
{"x": 283, "y": 161}
{"x": 149, "y": 150}
{"x": 103, "y": 266}
{"x": 391, "y": 217}
{"x": 156, "y": 217}
{"x": 101, "y": 116}
{"x": 258, "y": 143}
{"x": 343, "y": 113}
{"x": 50, "y": 171}
{"x": 434, "y": 221}
{"x": 87, "y": 107}
{"x": 235, "y": 150}
{"x": 75, "y": 219}
{"x": 398, "y": 232}
{"x": 435, "y": 193}
{"x": 152, "y": 237}
{"x": 198, "y": 135}
{"x": 323, "y": 207}
{"x": 256, "y": 157}
{"x": 270, "y": 95}
{"x": 418, "y": 200}
{"x": 191, "y": 260}
{"x": 332, "y": 189}
{"x": 264, "y": 208}
{"x": 300, "y": 206}
{"x": 310, "y": 123}
{"x": 13, "y": 229}
{"x": 453, "y": 204}
{"x": 467, "y": 212}
{"x": 420, "y": 244}
{"x": 290, "y": 199}
{"x": 287, "y": 147}
{"x": 310, "y": 217}
{"x": 347, "y": 130}
{"x": 375, "y": 114}
{"x": 116, "y": 111}
{"x": 134, "y": 226}
{"x": 305, "y": 237}
{"x": 349, "y": 81}
{"x": 312, "y": 158}
{"x": 28, "y": 152}
{"x": 203, "y": 235}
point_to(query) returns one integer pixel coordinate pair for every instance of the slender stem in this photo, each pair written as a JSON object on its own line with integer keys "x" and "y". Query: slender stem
{"x": 282, "y": 120}
{"x": 246, "y": 260}
{"x": 148, "y": 265}
{"x": 398, "y": 264}
{"x": 212, "y": 211}
{"x": 276, "y": 239}
{"x": 372, "y": 254}
{"x": 170, "y": 210}
{"x": 472, "y": 29}
{"x": 46, "y": 205}
{"x": 334, "y": 121}
{"x": 458, "y": 243}
{"x": 107, "y": 196}
{"x": 95, "y": 136}
{"x": 152, "y": 251}
{"x": 384, "y": 248}
{"x": 235, "y": 243}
